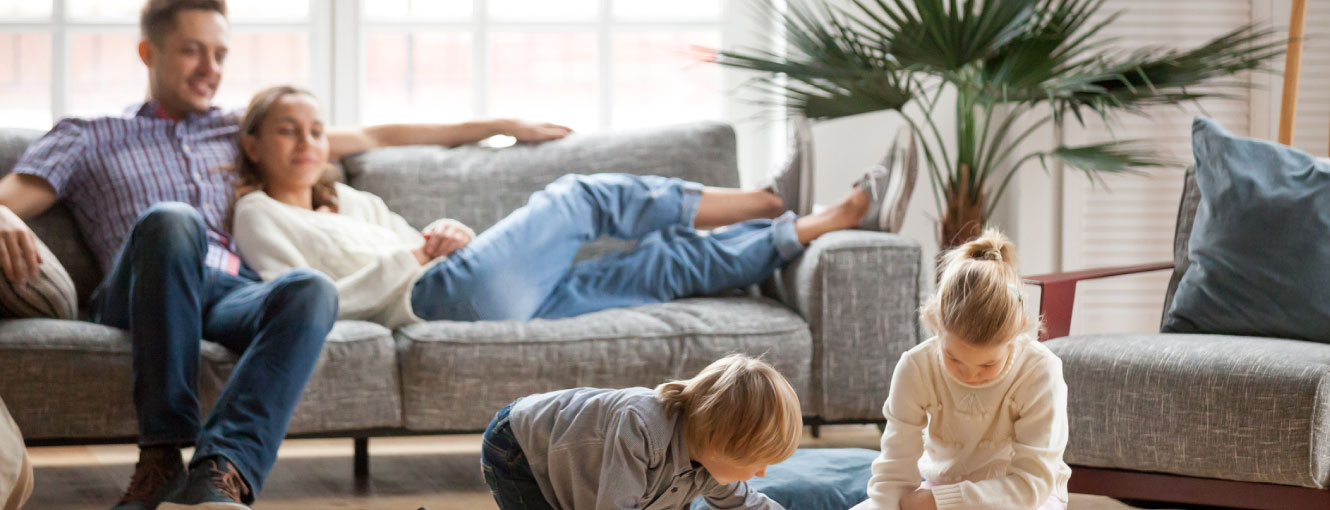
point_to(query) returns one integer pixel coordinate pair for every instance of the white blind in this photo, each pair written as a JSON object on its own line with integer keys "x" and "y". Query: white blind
{"x": 1130, "y": 219}
{"x": 1311, "y": 130}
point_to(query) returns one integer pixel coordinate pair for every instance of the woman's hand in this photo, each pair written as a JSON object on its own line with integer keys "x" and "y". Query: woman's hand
{"x": 444, "y": 238}
{"x": 532, "y": 131}
{"x": 921, "y": 499}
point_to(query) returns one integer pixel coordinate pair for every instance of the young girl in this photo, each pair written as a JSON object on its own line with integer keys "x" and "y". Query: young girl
{"x": 638, "y": 448}
{"x": 980, "y": 410}
{"x": 290, "y": 214}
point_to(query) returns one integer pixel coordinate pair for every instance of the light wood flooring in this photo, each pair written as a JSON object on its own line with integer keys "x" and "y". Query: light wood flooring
{"x": 437, "y": 472}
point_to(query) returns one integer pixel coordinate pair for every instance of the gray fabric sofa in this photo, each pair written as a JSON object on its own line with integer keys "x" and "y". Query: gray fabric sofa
{"x": 834, "y": 321}
{"x": 1229, "y": 421}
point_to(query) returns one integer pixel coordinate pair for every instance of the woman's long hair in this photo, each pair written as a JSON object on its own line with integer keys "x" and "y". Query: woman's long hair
{"x": 247, "y": 175}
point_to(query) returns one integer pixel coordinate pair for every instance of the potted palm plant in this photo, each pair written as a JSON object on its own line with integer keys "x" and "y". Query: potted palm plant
{"x": 1014, "y": 66}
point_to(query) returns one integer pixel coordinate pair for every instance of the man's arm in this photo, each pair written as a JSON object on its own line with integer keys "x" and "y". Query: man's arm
{"x": 26, "y": 195}
{"x": 346, "y": 141}
{"x": 22, "y": 197}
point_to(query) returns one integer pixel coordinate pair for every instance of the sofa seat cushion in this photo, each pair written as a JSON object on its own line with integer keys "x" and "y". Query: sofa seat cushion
{"x": 1238, "y": 408}
{"x": 355, "y": 385}
{"x": 67, "y": 379}
{"x": 456, "y": 375}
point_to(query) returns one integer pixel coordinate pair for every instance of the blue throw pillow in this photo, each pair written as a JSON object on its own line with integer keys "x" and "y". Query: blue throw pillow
{"x": 816, "y": 479}
{"x": 1260, "y": 245}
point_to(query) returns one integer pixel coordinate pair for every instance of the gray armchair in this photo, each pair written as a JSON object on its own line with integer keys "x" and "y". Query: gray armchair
{"x": 1229, "y": 421}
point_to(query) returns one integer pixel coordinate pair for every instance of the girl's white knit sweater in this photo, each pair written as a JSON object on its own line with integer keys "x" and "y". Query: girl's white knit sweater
{"x": 992, "y": 446}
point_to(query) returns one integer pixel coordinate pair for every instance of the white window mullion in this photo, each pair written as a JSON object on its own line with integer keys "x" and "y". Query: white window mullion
{"x": 605, "y": 65}
{"x": 60, "y": 65}
{"x": 345, "y": 66}
{"x": 480, "y": 61}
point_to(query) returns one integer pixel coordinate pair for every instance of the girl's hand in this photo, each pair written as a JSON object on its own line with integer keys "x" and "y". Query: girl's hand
{"x": 921, "y": 499}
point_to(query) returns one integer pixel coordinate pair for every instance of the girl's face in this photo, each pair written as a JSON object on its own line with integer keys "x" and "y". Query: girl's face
{"x": 290, "y": 148}
{"x": 973, "y": 364}
{"x": 726, "y": 471}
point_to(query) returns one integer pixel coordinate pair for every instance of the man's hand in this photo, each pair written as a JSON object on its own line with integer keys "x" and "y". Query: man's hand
{"x": 533, "y": 132}
{"x": 921, "y": 499}
{"x": 19, "y": 259}
{"x": 444, "y": 238}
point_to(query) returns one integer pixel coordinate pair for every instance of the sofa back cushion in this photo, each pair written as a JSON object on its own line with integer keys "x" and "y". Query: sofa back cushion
{"x": 1191, "y": 198}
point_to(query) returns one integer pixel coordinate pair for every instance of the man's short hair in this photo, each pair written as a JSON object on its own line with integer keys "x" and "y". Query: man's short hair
{"x": 158, "y": 17}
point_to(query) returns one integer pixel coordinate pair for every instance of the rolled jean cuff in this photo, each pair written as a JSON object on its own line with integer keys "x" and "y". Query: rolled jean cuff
{"x": 689, "y": 201}
{"x": 785, "y": 237}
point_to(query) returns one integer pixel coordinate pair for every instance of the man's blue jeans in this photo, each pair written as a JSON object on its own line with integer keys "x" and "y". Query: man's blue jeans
{"x": 160, "y": 290}
{"x": 522, "y": 268}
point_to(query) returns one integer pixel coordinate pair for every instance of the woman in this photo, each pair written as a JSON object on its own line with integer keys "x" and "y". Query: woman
{"x": 290, "y": 213}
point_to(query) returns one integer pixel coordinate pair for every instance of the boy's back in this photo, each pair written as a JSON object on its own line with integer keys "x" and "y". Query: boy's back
{"x": 589, "y": 446}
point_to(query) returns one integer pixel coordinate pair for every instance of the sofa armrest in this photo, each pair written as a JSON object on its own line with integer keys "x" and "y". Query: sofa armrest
{"x": 859, "y": 292}
{"x": 1057, "y": 294}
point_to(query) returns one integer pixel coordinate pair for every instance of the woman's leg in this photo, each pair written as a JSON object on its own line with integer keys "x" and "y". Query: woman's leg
{"x": 845, "y": 214}
{"x": 681, "y": 262}
{"x": 725, "y": 206}
{"x": 508, "y": 270}
{"x": 675, "y": 263}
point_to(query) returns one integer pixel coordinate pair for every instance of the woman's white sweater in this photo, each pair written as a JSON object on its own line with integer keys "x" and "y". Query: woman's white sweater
{"x": 364, "y": 247}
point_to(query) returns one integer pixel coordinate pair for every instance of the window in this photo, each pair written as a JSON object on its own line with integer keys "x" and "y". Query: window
{"x": 592, "y": 64}
{"x": 79, "y": 57}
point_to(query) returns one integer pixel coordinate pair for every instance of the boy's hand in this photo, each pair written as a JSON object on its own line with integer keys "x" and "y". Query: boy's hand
{"x": 921, "y": 499}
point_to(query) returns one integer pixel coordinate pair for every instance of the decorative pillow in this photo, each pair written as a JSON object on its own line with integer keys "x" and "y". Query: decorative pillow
{"x": 50, "y": 295}
{"x": 816, "y": 479}
{"x": 1260, "y": 244}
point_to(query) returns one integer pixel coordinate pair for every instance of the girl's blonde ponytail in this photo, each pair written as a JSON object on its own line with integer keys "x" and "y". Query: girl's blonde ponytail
{"x": 979, "y": 297}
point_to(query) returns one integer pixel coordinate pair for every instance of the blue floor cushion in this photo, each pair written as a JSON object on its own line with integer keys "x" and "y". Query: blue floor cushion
{"x": 816, "y": 479}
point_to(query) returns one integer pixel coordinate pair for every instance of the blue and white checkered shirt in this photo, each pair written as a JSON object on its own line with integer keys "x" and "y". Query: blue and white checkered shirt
{"x": 109, "y": 170}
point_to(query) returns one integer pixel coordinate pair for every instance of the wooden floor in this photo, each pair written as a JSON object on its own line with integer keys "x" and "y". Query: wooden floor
{"x": 440, "y": 473}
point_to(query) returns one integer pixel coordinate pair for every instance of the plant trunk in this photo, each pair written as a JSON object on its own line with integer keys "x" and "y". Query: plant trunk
{"x": 964, "y": 218}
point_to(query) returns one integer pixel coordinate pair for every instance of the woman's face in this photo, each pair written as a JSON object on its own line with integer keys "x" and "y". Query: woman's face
{"x": 290, "y": 148}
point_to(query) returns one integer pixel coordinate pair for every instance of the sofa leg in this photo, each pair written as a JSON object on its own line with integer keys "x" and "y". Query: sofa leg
{"x": 362, "y": 462}
{"x": 816, "y": 431}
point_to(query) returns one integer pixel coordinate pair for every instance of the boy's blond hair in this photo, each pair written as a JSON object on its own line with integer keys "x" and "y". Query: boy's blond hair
{"x": 739, "y": 409}
{"x": 979, "y": 298}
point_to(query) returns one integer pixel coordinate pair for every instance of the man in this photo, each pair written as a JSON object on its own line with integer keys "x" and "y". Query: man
{"x": 148, "y": 196}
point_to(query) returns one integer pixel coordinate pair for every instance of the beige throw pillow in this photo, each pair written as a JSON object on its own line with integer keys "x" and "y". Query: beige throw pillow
{"x": 50, "y": 295}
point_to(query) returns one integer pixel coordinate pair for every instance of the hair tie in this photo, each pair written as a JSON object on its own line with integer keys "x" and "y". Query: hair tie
{"x": 1015, "y": 291}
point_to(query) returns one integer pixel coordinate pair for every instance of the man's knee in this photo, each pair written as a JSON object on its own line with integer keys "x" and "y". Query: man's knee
{"x": 307, "y": 292}
{"x": 172, "y": 224}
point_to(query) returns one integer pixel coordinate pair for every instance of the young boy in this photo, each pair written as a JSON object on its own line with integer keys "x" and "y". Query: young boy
{"x": 590, "y": 448}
